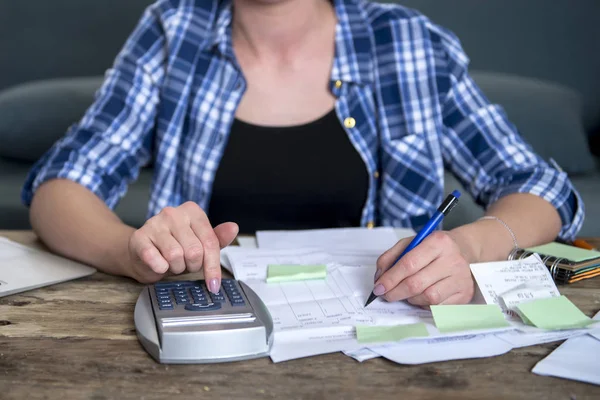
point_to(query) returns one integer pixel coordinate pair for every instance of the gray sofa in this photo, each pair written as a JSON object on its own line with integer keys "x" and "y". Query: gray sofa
{"x": 538, "y": 59}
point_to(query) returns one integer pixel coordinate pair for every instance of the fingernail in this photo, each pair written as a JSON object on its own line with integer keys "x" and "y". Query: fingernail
{"x": 213, "y": 285}
{"x": 377, "y": 275}
{"x": 379, "y": 290}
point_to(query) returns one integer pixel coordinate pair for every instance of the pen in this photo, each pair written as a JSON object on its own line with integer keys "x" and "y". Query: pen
{"x": 583, "y": 244}
{"x": 429, "y": 227}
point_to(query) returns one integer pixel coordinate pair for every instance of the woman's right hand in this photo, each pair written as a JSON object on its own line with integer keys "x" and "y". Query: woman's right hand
{"x": 179, "y": 240}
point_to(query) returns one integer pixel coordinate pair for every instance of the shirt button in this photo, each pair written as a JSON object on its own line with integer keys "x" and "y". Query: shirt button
{"x": 370, "y": 225}
{"x": 350, "y": 122}
{"x": 376, "y": 174}
{"x": 338, "y": 84}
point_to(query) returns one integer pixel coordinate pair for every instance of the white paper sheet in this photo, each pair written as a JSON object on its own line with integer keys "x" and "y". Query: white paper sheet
{"x": 337, "y": 300}
{"x": 575, "y": 359}
{"x": 524, "y": 339}
{"x": 361, "y": 355}
{"x": 379, "y": 239}
{"x": 497, "y": 278}
{"x": 442, "y": 349}
{"x": 293, "y": 344}
{"x": 251, "y": 264}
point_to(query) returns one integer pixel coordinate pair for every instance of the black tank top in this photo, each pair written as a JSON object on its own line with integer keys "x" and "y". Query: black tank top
{"x": 306, "y": 176}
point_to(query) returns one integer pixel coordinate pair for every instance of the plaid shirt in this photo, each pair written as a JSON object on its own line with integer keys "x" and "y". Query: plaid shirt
{"x": 402, "y": 92}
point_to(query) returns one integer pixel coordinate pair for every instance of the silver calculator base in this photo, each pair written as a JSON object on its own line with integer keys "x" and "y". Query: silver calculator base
{"x": 202, "y": 347}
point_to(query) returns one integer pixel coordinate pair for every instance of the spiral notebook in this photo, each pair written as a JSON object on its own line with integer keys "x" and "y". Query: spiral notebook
{"x": 567, "y": 264}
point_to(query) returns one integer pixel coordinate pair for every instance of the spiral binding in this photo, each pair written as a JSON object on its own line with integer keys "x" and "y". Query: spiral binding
{"x": 553, "y": 265}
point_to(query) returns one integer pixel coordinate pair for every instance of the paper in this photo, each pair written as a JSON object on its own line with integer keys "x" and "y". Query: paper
{"x": 451, "y": 318}
{"x": 247, "y": 242}
{"x": 336, "y": 300}
{"x": 553, "y": 313}
{"x": 391, "y": 333}
{"x": 575, "y": 359}
{"x": 560, "y": 250}
{"x": 443, "y": 349}
{"x": 292, "y": 345}
{"x": 252, "y": 264}
{"x": 286, "y": 273}
{"x": 380, "y": 239}
{"x": 524, "y": 293}
{"x": 496, "y": 278}
{"x": 361, "y": 355}
{"x": 524, "y": 339}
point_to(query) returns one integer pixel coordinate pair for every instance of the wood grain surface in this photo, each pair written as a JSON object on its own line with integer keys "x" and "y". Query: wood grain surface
{"x": 77, "y": 340}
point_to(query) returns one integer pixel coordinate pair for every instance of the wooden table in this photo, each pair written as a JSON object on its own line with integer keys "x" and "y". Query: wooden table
{"x": 77, "y": 340}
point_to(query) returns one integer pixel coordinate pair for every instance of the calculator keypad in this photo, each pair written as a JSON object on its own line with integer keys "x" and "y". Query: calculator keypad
{"x": 194, "y": 296}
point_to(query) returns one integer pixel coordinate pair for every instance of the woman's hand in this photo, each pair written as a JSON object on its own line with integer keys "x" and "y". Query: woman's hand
{"x": 434, "y": 272}
{"x": 179, "y": 240}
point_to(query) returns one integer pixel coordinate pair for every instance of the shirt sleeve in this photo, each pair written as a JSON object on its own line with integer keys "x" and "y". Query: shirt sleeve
{"x": 485, "y": 151}
{"x": 105, "y": 150}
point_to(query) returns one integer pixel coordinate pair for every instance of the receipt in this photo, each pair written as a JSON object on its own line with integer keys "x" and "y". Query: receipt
{"x": 514, "y": 281}
{"x": 523, "y": 293}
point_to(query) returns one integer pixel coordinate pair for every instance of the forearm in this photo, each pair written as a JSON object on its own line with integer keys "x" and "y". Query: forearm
{"x": 533, "y": 221}
{"x": 74, "y": 222}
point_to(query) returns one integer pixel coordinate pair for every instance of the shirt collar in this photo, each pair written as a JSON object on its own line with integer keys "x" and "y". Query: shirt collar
{"x": 353, "y": 60}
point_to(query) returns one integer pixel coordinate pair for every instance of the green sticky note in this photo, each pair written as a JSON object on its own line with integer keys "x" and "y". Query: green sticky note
{"x": 467, "y": 317}
{"x": 565, "y": 251}
{"x": 553, "y": 313}
{"x": 285, "y": 273}
{"x": 375, "y": 334}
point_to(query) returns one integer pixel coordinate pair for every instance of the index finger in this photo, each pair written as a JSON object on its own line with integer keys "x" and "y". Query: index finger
{"x": 411, "y": 263}
{"x": 210, "y": 243}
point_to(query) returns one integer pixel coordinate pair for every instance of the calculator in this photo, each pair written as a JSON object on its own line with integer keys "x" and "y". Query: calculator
{"x": 182, "y": 322}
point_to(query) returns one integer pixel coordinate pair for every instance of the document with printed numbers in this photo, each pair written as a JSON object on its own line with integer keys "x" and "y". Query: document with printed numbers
{"x": 248, "y": 264}
{"x": 497, "y": 278}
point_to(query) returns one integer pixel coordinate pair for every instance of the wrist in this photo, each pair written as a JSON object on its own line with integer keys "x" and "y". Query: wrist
{"x": 484, "y": 240}
{"x": 467, "y": 240}
{"x": 120, "y": 256}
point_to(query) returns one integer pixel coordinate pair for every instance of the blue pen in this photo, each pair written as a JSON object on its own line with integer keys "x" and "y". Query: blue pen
{"x": 429, "y": 227}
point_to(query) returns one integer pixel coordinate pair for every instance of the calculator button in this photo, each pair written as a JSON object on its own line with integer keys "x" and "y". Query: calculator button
{"x": 174, "y": 285}
{"x": 203, "y": 307}
{"x": 238, "y": 303}
{"x": 163, "y": 297}
{"x": 165, "y": 306}
{"x": 181, "y": 292}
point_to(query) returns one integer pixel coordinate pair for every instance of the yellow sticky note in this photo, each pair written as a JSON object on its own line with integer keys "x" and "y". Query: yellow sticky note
{"x": 560, "y": 250}
{"x": 286, "y": 273}
{"x": 374, "y": 334}
{"x": 468, "y": 317}
{"x": 553, "y": 313}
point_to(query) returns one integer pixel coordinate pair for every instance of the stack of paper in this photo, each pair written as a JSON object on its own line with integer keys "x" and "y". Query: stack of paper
{"x": 325, "y": 313}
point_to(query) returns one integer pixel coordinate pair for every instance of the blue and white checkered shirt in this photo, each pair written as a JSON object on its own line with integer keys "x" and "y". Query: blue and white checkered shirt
{"x": 403, "y": 95}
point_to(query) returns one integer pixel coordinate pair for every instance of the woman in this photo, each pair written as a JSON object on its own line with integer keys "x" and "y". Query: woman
{"x": 344, "y": 112}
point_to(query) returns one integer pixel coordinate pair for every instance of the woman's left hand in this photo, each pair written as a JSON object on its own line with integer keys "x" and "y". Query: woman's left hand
{"x": 434, "y": 272}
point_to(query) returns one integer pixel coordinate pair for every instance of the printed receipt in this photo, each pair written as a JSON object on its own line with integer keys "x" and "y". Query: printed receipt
{"x": 508, "y": 283}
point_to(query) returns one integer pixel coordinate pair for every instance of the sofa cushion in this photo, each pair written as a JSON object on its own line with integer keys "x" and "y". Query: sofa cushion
{"x": 549, "y": 117}
{"x": 35, "y": 115}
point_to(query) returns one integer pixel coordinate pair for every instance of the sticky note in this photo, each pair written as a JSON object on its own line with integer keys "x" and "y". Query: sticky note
{"x": 553, "y": 313}
{"x": 374, "y": 334}
{"x": 565, "y": 251}
{"x": 467, "y": 317}
{"x": 285, "y": 273}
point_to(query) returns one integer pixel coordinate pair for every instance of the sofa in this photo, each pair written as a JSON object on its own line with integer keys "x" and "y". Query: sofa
{"x": 538, "y": 59}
